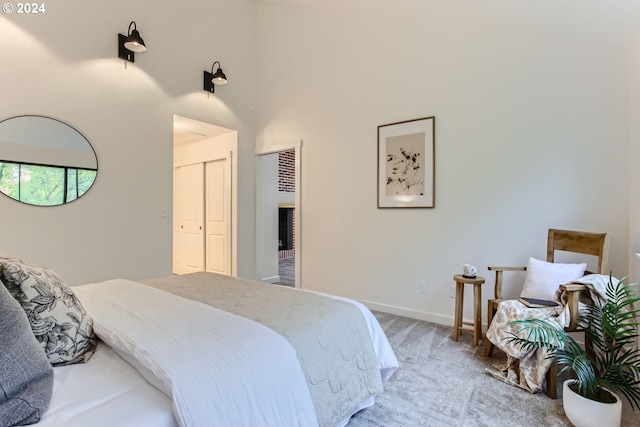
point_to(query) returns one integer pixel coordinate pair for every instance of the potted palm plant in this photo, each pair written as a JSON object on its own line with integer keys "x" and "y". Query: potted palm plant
{"x": 609, "y": 363}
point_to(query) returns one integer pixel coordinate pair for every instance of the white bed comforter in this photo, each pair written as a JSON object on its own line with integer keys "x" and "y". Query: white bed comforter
{"x": 218, "y": 368}
{"x": 332, "y": 342}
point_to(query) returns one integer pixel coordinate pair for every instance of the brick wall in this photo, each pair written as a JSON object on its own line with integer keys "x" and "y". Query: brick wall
{"x": 287, "y": 171}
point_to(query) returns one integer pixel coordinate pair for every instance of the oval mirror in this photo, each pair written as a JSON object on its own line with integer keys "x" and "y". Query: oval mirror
{"x": 44, "y": 162}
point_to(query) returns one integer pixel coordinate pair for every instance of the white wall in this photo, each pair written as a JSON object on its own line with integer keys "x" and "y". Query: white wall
{"x": 634, "y": 155}
{"x": 534, "y": 129}
{"x": 64, "y": 64}
{"x": 204, "y": 150}
{"x": 531, "y": 133}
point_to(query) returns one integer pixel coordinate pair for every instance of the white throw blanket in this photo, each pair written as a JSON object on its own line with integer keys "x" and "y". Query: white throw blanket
{"x": 527, "y": 368}
{"x": 220, "y": 369}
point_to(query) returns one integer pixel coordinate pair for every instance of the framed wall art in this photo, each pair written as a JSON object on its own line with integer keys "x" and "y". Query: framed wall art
{"x": 406, "y": 164}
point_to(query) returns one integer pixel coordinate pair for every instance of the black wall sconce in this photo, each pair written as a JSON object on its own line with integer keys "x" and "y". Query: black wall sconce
{"x": 211, "y": 79}
{"x": 130, "y": 43}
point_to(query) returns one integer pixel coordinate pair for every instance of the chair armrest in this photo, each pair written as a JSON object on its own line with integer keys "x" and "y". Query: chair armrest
{"x": 573, "y": 296}
{"x": 497, "y": 288}
{"x": 492, "y": 268}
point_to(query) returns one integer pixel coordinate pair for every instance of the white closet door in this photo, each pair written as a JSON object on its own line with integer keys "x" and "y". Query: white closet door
{"x": 189, "y": 219}
{"x": 218, "y": 215}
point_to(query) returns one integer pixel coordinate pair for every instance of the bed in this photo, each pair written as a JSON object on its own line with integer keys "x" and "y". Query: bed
{"x": 207, "y": 349}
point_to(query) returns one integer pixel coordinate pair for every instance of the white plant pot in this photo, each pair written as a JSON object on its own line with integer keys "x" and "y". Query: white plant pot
{"x": 583, "y": 412}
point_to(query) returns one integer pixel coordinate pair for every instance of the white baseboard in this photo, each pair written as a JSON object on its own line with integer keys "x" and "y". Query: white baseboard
{"x": 434, "y": 318}
{"x": 414, "y": 314}
{"x": 274, "y": 279}
{"x": 407, "y": 312}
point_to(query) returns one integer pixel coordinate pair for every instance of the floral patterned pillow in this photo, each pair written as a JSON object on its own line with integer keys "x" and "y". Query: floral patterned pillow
{"x": 57, "y": 318}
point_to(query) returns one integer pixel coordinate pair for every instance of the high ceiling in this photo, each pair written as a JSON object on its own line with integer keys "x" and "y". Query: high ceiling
{"x": 610, "y": 22}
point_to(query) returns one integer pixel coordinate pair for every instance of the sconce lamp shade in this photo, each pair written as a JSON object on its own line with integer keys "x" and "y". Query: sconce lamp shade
{"x": 135, "y": 43}
{"x": 130, "y": 44}
{"x": 211, "y": 79}
{"x": 219, "y": 79}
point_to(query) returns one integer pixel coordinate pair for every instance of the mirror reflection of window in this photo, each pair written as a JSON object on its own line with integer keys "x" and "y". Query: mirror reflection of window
{"x": 44, "y": 185}
{"x": 44, "y": 162}
{"x": 78, "y": 182}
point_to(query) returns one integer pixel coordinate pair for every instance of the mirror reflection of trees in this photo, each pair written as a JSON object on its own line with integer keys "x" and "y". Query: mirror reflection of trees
{"x": 44, "y": 185}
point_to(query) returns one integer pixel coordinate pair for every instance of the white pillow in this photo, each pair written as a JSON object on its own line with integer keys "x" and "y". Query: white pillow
{"x": 543, "y": 278}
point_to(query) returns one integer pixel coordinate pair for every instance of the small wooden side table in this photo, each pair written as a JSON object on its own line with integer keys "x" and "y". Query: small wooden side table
{"x": 458, "y": 323}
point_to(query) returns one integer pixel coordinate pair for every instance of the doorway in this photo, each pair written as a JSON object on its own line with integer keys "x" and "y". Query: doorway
{"x": 204, "y": 197}
{"x": 278, "y": 221}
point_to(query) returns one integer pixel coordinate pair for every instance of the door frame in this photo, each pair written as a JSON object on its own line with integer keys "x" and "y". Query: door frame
{"x": 297, "y": 147}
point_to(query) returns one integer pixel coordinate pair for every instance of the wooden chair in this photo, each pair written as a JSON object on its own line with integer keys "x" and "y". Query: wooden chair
{"x": 558, "y": 240}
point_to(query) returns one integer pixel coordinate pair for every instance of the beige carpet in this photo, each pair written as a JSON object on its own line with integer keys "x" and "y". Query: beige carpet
{"x": 442, "y": 382}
